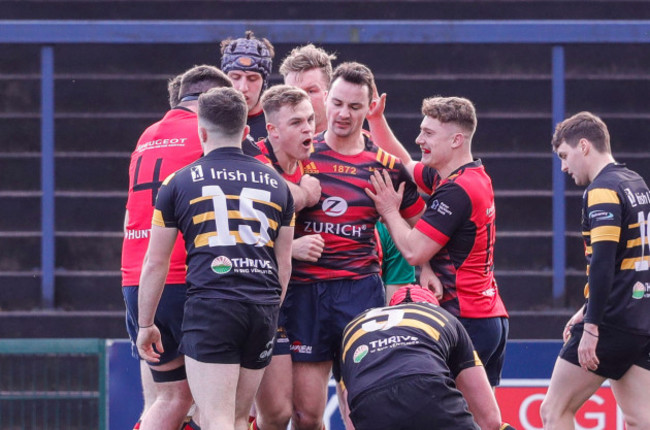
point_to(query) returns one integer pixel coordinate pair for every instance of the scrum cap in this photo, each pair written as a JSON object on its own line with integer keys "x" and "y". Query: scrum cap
{"x": 412, "y": 294}
{"x": 248, "y": 55}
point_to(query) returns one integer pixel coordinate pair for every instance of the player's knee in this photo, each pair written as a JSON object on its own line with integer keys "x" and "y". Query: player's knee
{"x": 276, "y": 418}
{"x": 303, "y": 420}
{"x": 546, "y": 413}
{"x": 637, "y": 420}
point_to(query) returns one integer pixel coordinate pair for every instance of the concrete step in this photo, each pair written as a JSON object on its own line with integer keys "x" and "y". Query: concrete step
{"x": 19, "y": 291}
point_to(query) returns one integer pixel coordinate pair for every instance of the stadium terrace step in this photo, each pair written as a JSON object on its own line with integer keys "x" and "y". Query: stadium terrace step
{"x": 20, "y": 211}
{"x": 62, "y": 324}
{"x": 103, "y": 133}
{"x": 89, "y": 291}
{"x": 19, "y": 291}
{"x": 89, "y": 252}
{"x": 20, "y": 134}
{"x": 20, "y": 172}
{"x": 90, "y": 211}
{"x": 526, "y": 290}
{"x": 20, "y": 252}
{"x": 92, "y": 172}
{"x": 532, "y": 252}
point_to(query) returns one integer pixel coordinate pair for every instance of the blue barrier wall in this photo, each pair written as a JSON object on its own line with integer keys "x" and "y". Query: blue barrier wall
{"x": 524, "y": 360}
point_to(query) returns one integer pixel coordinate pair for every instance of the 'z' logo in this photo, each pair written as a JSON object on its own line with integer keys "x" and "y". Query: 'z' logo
{"x": 334, "y": 206}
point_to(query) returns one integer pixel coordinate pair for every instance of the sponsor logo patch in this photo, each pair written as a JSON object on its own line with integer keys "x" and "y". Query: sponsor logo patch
{"x": 441, "y": 207}
{"x": 334, "y": 206}
{"x": 360, "y": 353}
{"x": 197, "y": 173}
{"x": 221, "y": 265}
{"x": 300, "y": 348}
{"x": 600, "y": 215}
{"x": 638, "y": 291}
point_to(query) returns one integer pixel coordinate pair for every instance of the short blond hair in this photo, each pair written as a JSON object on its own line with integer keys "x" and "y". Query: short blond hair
{"x": 308, "y": 57}
{"x": 278, "y": 96}
{"x": 457, "y": 110}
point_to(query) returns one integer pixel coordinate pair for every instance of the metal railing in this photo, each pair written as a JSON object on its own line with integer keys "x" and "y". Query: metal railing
{"x": 557, "y": 34}
{"x": 57, "y": 384}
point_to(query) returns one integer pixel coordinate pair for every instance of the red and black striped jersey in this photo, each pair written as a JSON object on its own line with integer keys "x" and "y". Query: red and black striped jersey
{"x": 267, "y": 151}
{"x": 345, "y": 216}
{"x": 460, "y": 216}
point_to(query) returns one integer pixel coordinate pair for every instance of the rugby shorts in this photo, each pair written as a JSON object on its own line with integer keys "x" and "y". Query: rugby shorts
{"x": 616, "y": 350}
{"x": 412, "y": 402}
{"x": 317, "y": 313}
{"x": 229, "y": 332}
{"x": 168, "y": 319}
{"x": 489, "y": 336}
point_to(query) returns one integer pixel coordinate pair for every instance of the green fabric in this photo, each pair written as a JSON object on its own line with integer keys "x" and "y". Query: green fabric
{"x": 395, "y": 270}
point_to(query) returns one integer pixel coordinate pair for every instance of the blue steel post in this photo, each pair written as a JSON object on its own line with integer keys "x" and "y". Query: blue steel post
{"x": 559, "y": 221}
{"x": 47, "y": 177}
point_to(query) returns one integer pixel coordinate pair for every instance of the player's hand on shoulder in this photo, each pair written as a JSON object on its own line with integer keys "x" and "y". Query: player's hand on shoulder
{"x": 311, "y": 188}
{"x": 383, "y": 193}
{"x": 308, "y": 248}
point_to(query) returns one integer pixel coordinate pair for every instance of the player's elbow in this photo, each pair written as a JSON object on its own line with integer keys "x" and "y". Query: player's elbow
{"x": 413, "y": 258}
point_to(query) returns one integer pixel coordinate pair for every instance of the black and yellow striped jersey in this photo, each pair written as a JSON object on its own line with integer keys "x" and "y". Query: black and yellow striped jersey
{"x": 384, "y": 344}
{"x": 230, "y": 208}
{"x": 616, "y": 208}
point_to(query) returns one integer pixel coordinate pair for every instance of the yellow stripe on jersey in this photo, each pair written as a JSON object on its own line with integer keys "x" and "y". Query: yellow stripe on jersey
{"x": 209, "y": 216}
{"x": 200, "y": 199}
{"x": 428, "y": 315}
{"x": 630, "y": 263}
{"x": 477, "y": 359}
{"x": 293, "y": 220}
{"x": 273, "y": 205}
{"x": 203, "y": 239}
{"x": 610, "y": 233}
{"x": 637, "y": 242}
{"x": 588, "y": 250}
{"x": 231, "y": 197}
{"x": 168, "y": 178}
{"x": 432, "y": 332}
{"x": 158, "y": 218}
{"x": 407, "y": 322}
{"x": 349, "y": 342}
{"x": 601, "y": 195}
{"x": 636, "y": 225}
{"x": 386, "y": 159}
{"x": 205, "y": 216}
{"x": 585, "y": 292}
